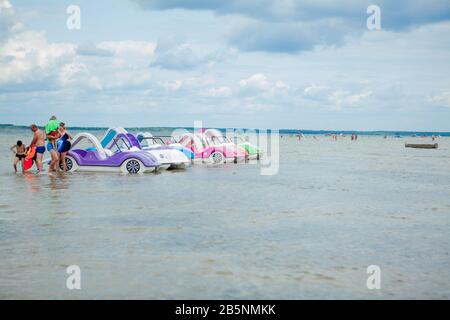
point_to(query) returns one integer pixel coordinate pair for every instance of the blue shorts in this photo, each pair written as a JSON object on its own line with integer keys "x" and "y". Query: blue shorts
{"x": 49, "y": 146}
{"x": 40, "y": 149}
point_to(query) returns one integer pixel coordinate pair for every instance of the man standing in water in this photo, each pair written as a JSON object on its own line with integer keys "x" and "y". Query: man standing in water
{"x": 39, "y": 142}
{"x": 51, "y": 130}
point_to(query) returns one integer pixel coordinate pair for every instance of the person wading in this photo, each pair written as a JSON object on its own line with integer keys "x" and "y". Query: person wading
{"x": 51, "y": 130}
{"x": 38, "y": 142}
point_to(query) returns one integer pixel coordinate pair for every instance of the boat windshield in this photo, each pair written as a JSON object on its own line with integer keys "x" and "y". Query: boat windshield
{"x": 166, "y": 139}
{"x": 119, "y": 145}
{"x": 223, "y": 139}
{"x": 237, "y": 139}
{"x": 217, "y": 140}
{"x": 152, "y": 141}
{"x": 207, "y": 141}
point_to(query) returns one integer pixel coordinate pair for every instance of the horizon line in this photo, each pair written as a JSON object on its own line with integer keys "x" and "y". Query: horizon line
{"x": 286, "y": 130}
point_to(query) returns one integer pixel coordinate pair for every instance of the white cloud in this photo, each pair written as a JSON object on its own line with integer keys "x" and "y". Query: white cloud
{"x": 6, "y": 6}
{"x": 130, "y": 49}
{"x": 222, "y": 91}
{"x": 8, "y": 23}
{"x": 172, "y": 85}
{"x": 28, "y": 60}
{"x": 342, "y": 98}
{"x": 28, "y": 56}
{"x": 93, "y": 50}
{"x": 314, "y": 90}
{"x": 257, "y": 81}
{"x": 171, "y": 55}
{"x": 77, "y": 75}
{"x": 442, "y": 99}
{"x": 258, "y": 86}
{"x": 180, "y": 57}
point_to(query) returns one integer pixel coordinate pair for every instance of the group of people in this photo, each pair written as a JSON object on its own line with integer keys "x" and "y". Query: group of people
{"x": 55, "y": 138}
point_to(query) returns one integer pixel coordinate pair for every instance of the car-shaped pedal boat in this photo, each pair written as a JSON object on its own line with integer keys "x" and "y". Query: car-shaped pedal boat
{"x": 218, "y": 138}
{"x": 97, "y": 158}
{"x": 174, "y": 153}
{"x": 253, "y": 151}
{"x": 169, "y": 156}
{"x": 207, "y": 152}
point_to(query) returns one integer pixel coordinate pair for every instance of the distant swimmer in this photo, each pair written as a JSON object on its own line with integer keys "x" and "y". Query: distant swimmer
{"x": 38, "y": 142}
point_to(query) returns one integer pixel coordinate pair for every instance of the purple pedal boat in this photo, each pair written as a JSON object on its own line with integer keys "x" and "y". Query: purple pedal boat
{"x": 120, "y": 156}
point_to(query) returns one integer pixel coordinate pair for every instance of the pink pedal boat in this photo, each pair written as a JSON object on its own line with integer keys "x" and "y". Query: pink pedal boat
{"x": 205, "y": 151}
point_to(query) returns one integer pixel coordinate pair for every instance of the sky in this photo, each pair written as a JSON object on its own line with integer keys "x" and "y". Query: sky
{"x": 298, "y": 64}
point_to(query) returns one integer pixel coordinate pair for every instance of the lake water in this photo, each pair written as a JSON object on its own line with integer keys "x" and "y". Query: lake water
{"x": 228, "y": 232}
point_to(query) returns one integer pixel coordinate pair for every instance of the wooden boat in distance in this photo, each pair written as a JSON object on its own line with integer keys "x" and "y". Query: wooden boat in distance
{"x": 422, "y": 145}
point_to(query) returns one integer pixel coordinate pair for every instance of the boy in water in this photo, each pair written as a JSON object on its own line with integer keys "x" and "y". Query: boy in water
{"x": 21, "y": 152}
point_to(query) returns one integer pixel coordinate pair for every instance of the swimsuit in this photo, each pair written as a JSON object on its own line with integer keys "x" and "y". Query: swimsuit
{"x": 49, "y": 146}
{"x": 40, "y": 149}
{"x": 63, "y": 143}
{"x": 21, "y": 156}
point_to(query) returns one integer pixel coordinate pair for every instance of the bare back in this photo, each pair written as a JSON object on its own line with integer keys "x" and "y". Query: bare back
{"x": 21, "y": 149}
{"x": 40, "y": 138}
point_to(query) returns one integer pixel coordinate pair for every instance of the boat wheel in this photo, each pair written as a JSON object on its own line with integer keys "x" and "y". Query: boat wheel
{"x": 217, "y": 157}
{"x": 133, "y": 166}
{"x": 69, "y": 164}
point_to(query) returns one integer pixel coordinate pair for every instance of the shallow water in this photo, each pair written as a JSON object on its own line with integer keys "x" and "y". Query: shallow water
{"x": 334, "y": 208}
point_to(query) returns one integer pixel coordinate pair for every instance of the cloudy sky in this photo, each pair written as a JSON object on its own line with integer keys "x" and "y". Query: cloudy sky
{"x": 310, "y": 64}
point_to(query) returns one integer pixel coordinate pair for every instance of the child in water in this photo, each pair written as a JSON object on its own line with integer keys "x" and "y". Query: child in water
{"x": 21, "y": 152}
{"x": 52, "y": 138}
{"x": 52, "y": 132}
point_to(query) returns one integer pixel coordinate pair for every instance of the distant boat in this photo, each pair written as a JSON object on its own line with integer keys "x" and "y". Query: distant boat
{"x": 421, "y": 145}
